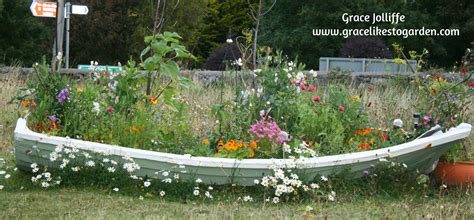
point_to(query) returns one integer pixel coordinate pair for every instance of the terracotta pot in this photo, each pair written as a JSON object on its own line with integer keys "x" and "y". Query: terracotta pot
{"x": 459, "y": 173}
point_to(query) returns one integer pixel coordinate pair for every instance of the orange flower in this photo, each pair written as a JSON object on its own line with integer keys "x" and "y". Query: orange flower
{"x": 55, "y": 125}
{"x": 253, "y": 144}
{"x": 251, "y": 154}
{"x": 153, "y": 100}
{"x": 205, "y": 141}
{"x": 220, "y": 145}
{"x": 39, "y": 127}
{"x": 384, "y": 137}
{"x": 231, "y": 145}
{"x": 239, "y": 144}
{"x": 26, "y": 103}
{"x": 134, "y": 129}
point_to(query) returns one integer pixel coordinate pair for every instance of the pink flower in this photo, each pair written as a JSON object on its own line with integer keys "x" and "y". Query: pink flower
{"x": 312, "y": 88}
{"x": 317, "y": 98}
{"x": 267, "y": 128}
{"x": 341, "y": 108}
{"x": 110, "y": 109}
{"x": 303, "y": 86}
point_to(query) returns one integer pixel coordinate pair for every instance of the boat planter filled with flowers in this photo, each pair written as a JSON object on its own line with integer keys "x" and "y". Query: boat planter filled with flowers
{"x": 421, "y": 154}
{"x": 282, "y": 119}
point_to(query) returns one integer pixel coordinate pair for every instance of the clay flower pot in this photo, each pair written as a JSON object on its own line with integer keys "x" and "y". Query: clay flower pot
{"x": 458, "y": 173}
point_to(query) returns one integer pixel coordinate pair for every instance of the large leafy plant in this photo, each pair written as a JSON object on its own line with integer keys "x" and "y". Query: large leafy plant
{"x": 159, "y": 60}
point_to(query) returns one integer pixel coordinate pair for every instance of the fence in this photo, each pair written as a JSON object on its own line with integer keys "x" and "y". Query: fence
{"x": 365, "y": 65}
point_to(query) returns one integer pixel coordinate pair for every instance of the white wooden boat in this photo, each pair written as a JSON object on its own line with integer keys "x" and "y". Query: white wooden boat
{"x": 421, "y": 154}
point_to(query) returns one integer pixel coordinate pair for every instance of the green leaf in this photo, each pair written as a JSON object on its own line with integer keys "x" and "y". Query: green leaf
{"x": 149, "y": 65}
{"x": 171, "y": 35}
{"x": 161, "y": 48}
{"x": 149, "y": 39}
{"x": 170, "y": 69}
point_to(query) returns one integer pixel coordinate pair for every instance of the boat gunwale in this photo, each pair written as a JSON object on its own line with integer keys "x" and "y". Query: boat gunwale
{"x": 437, "y": 139}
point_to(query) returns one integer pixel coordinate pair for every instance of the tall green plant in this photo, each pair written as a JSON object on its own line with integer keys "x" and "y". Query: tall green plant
{"x": 159, "y": 60}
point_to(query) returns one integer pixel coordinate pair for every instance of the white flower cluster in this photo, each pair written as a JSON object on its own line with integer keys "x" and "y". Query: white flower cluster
{"x": 197, "y": 190}
{"x": 44, "y": 179}
{"x": 237, "y": 62}
{"x": 286, "y": 183}
{"x": 245, "y": 94}
{"x": 71, "y": 158}
{"x": 299, "y": 152}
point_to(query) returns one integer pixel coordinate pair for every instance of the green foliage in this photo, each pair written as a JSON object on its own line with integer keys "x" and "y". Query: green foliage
{"x": 330, "y": 118}
{"x": 162, "y": 51}
{"x": 24, "y": 39}
{"x": 111, "y": 107}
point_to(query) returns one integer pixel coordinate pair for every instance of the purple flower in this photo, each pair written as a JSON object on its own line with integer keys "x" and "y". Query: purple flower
{"x": 53, "y": 118}
{"x": 63, "y": 95}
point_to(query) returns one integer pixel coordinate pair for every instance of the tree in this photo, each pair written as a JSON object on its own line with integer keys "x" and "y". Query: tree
{"x": 365, "y": 47}
{"x": 288, "y": 26}
{"x": 257, "y": 14}
{"x": 24, "y": 39}
{"x": 223, "y": 19}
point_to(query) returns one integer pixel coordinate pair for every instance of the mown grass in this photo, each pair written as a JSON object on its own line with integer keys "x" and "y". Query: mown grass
{"x": 93, "y": 203}
{"x": 24, "y": 201}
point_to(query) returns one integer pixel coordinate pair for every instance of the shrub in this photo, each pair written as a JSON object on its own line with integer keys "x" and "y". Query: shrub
{"x": 222, "y": 57}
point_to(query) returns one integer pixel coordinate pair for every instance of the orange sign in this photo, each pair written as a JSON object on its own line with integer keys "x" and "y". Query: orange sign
{"x": 44, "y": 9}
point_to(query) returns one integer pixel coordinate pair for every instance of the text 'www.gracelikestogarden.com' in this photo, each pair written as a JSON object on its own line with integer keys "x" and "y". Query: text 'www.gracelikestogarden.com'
{"x": 392, "y": 18}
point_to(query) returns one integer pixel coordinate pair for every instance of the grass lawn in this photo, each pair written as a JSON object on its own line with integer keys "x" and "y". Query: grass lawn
{"x": 21, "y": 200}
{"x": 95, "y": 203}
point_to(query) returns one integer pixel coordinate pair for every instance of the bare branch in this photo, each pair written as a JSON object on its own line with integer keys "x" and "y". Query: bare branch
{"x": 269, "y": 9}
{"x": 157, "y": 11}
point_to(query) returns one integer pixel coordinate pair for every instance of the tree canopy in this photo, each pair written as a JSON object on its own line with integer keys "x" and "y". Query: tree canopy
{"x": 113, "y": 30}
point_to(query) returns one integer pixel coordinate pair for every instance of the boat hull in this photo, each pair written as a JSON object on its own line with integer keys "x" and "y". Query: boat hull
{"x": 421, "y": 154}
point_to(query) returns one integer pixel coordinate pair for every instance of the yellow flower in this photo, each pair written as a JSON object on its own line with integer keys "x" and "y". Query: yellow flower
{"x": 79, "y": 90}
{"x": 354, "y": 98}
{"x": 205, "y": 141}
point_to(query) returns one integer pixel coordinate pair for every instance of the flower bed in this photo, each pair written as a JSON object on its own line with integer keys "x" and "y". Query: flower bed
{"x": 284, "y": 113}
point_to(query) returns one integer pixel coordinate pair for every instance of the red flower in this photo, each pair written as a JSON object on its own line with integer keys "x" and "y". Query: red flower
{"x": 312, "y": 88}
{"x": 341, "y": 108}
{"x": 316, "y": 98}
{"x": 110, "y": 109}
{"x": 471, "y": 84}
{"x": 302, "y": 86}
{"x": 462, "y": 70}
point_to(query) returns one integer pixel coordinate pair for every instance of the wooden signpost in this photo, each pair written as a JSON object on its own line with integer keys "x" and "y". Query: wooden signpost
{"x": 61, "y": 12}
